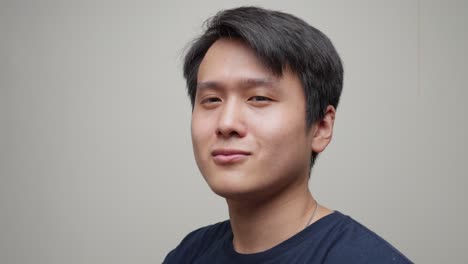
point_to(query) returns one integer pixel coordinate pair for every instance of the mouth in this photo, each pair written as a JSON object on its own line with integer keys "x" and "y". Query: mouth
{"x": 229, "y": 156}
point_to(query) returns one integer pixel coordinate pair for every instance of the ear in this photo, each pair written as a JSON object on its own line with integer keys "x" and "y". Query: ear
{"x": 323, "y": 130}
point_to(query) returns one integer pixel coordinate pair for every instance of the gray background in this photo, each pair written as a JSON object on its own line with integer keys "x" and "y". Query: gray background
{"x": 95, "y": 150}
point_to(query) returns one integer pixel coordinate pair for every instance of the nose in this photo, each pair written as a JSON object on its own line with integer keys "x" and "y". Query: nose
{"x": 231, "y": 121}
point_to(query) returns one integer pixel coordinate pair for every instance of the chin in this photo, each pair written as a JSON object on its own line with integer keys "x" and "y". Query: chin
{"x": 230, "y": 185}
{"x": 237, "y": 187}
{"x": 237, "y": 194}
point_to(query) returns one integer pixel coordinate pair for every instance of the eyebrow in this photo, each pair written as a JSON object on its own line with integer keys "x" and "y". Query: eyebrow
{"x": 245, "y": 83}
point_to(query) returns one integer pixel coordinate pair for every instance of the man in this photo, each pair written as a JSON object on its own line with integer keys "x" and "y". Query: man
{"x": 264, "y": 87}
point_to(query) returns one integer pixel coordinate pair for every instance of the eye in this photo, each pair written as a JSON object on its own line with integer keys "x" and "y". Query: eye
{"x": 259, "y": 99}
{"x": 210, "y": 100}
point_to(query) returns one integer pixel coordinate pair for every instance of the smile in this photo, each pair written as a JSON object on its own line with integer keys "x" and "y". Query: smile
{"x": 229, "y": 156}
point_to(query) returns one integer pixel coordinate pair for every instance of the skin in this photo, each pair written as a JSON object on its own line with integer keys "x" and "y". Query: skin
{"x": 252, "y": 145}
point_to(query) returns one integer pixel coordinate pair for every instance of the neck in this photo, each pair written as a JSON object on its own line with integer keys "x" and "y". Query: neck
{"x": 286, "y": 214}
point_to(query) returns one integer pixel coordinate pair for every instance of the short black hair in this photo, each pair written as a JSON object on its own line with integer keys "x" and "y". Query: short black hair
{"x": 279, "y": 40}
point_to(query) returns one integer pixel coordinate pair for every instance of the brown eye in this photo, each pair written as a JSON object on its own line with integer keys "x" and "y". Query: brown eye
{"x": 259, "y": 99}
{"x": 210, "y": 100}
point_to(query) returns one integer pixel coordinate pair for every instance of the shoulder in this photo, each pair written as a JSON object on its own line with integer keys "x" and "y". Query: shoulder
{"x": 355, "y": 243}
{"x": 197, "y": 242}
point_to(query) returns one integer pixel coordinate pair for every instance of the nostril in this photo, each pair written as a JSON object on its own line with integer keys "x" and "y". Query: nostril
{"x": 228, "y": 132}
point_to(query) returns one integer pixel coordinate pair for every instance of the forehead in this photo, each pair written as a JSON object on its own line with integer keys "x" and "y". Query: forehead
{"x": 229, "y": 59}
{"x": 233, "y": 64}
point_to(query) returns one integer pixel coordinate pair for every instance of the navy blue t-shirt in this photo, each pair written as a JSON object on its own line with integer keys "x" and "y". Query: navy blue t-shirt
{"x": 335, "y": 238}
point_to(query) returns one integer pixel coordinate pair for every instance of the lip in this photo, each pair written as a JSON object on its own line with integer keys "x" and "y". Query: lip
{"x": 229, "y": 156}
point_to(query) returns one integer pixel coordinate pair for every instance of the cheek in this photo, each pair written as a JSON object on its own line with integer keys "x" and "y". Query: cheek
{"x": 201, "y": 132}
{"x": 280, "y": 125}
{"x": 284, "y": 138}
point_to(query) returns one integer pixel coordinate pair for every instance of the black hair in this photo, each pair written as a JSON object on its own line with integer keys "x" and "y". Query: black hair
{"x": 279, "y": 40}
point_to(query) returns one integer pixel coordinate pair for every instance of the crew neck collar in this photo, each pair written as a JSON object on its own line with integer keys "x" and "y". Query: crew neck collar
{"x": 277, "y": 250}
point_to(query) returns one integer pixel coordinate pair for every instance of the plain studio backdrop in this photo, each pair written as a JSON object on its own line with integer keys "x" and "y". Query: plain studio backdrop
{"x": 95, "y": 149}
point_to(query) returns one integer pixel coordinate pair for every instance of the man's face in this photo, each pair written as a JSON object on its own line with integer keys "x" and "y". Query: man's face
{"x": 248, "y": 127}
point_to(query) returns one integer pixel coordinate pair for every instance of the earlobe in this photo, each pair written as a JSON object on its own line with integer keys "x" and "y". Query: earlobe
{"x": 323, "y": 131}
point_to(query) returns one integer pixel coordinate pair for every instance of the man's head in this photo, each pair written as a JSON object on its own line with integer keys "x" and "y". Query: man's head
{"x": 250, "y": 76}
{"x": 279, "y": 40}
